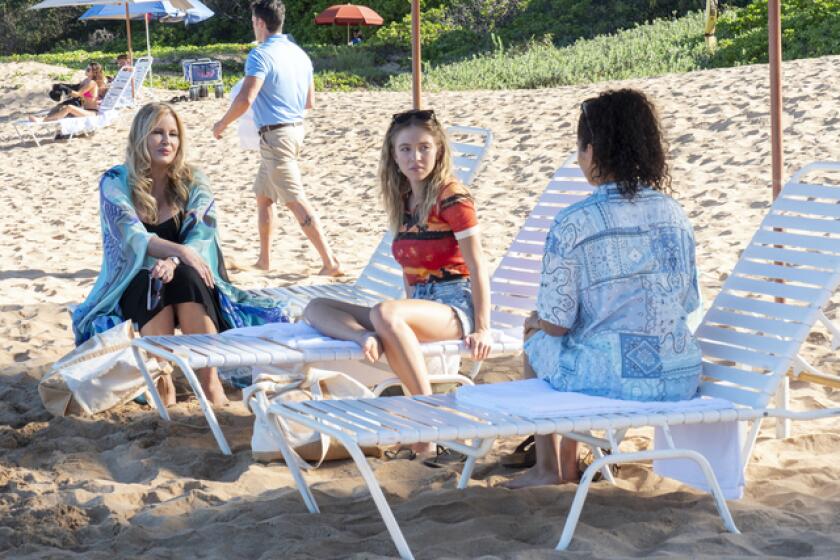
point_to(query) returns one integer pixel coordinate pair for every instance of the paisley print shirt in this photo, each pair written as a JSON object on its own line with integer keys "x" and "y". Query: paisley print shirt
{"x": 621, "y": 276}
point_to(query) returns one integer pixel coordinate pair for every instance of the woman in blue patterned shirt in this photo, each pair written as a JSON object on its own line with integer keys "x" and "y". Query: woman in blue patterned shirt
{"x": 618, "y": 280}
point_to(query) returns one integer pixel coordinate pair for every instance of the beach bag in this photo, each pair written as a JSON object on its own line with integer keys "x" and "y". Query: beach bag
{"x": 310, "y": 448}
{"x": 97, "y": 375}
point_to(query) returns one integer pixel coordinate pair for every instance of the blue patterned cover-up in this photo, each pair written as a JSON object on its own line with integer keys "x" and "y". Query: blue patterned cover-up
{"x": 621, "y": 276}
{"x": 124, "y": 244}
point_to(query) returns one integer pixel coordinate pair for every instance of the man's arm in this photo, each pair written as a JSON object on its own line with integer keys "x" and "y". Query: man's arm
{"x": 310, "y": 96}
{"x": 250, "y": 88}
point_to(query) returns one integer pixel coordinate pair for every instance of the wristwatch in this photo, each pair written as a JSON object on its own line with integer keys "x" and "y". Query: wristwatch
{"x": 176, "y": 260}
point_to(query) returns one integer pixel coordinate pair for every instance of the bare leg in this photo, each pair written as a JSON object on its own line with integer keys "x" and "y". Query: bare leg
{"x": 311, "y": 227}
{"x": 264, "y": 223}
{"x": 401, "y": 326}
{"x": 344, "y": 321}
{"x": 556, "y": 457}
{"x": 162, "y": 324}
{"x": 193, "y": 319}
{"x": 61, "y": 111}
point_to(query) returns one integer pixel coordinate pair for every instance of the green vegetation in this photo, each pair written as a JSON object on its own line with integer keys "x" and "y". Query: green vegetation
{"x": 481, "y": 44}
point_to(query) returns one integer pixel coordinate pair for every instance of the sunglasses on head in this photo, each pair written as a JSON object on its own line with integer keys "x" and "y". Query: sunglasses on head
{"x": 154, "y": 294}
{"x": 422, "y": 115}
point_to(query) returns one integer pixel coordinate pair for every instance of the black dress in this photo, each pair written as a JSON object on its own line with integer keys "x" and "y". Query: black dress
{"x": 186, "y": 286}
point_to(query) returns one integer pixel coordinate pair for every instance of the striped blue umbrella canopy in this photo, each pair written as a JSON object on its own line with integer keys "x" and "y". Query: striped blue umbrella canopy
{"x": 162, "y": 11}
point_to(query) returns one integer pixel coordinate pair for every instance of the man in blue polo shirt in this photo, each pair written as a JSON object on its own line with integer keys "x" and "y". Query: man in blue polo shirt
{"x": 278, "y": 87}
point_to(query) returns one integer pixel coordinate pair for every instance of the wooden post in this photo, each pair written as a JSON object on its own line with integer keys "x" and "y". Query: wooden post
{"x": 415, "y": 53}
{"x": 128, "y": 35}
{"x": 774, "y": 26}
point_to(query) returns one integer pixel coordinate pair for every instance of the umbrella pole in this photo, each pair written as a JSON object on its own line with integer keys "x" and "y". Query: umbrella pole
{"x": 348, "y": 34}
{"x": 774, "y": 25}
{"x": 148, "y": 45}
{"x": 128, "y": 35}
{"x": 415, "y": 53}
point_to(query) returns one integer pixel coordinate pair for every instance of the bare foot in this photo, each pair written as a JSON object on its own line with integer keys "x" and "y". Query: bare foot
{"x": 424, "y": 448}
{"x": 166, "y": 390}
{"x": 534, "y": 477}
{"x": 333, "y": 270}
{"x": 33, "y": 118}
{"x": 262, "y": 264}
{"x": 371, "y": 346}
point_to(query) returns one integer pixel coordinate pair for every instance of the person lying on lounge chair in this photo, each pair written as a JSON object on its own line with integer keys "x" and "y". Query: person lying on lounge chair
{"x": 87, "y": 94}
{"x": 161, "y": 266}
{"x": 437, "y": 243}
{"x": 619, "y": 279}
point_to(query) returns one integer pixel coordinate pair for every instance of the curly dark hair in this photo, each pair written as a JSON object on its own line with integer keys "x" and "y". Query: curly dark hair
{"x": 627, "y": 141}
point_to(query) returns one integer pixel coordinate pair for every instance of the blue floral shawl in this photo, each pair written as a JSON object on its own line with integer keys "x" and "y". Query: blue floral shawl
{"x": 124, "y": 242}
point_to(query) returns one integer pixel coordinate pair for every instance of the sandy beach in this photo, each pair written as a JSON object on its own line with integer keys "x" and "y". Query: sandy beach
{"x": 124, "y": 484}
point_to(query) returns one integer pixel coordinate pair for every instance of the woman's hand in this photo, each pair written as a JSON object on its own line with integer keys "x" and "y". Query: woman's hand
{"x": 190, "y": 257}
{"x": 479, "y": 342}
{"x": 531, "y": 325}
{"x": 163, "y": 269}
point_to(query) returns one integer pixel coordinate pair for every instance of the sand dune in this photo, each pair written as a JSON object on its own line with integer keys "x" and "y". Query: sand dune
{"x": 123, "y": 484}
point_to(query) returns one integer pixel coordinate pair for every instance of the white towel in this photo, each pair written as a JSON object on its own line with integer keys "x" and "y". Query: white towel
{"x": 720, "y": 443}
{"x": 249, "y": 135}
{"x": 535, "y": 398}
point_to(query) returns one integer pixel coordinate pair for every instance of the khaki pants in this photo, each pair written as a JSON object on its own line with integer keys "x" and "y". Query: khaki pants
{"x": 279, "y": 175}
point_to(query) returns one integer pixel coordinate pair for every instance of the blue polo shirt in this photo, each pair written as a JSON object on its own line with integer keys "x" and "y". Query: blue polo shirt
{"x": 286, "y": 72}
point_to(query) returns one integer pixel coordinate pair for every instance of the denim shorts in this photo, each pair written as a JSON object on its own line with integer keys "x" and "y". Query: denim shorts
{"x": 457, "y": 294}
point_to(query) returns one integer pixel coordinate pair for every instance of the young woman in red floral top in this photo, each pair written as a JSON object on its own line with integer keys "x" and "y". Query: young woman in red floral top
{"x": 437, "y": 242}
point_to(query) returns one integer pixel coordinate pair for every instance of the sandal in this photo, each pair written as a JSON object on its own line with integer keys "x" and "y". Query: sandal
{"x": 445, "y": 457}
{"x": 403, "y": 453}
{"x": 523, "y": 457}
{"x": 585, "y": 460}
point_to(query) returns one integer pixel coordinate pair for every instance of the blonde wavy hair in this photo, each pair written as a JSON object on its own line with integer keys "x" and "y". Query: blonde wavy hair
{"x": 98, "y": 75}
{"x": 395, "y": 186}
{"x": 138, "y": 163}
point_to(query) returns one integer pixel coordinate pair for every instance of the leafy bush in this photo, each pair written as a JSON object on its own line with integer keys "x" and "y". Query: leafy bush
{"x": 661, "y": 47}
{"x": 809, "y": 28}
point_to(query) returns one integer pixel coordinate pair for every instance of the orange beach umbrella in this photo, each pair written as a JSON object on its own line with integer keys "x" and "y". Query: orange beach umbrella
{"x": 347, "y": 15}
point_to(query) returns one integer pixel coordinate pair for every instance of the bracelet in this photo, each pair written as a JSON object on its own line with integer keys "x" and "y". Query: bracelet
{"x": 176, "y": 260}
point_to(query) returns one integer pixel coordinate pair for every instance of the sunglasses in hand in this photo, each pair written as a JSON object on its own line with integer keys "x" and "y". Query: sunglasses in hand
{"x": 153, "y": 295}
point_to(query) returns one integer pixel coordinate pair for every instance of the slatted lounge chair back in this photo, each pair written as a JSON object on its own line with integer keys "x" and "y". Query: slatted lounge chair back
{"x": 750, "y": 336}
{"x": 517, "y": 278}
{"x": 142, "y": 67}
{"x": 118, "y": 91}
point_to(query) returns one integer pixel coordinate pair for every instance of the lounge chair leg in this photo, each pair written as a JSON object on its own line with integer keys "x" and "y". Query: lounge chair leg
{"x": 783, "y": 402}
{"x": 598, "y": 464}
{"x": 150, "y": 384}
{"x": 605, "y": 472}
{"x": 832, "y": 328}
{"x": 473, "y": 452}
{"x": 206, "y": 408}
{"x": 378, "y": 497}
{"x": 289, "y": 456}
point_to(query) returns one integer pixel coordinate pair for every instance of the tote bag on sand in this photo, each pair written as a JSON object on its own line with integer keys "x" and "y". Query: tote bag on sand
{"x": 97, "y": 375}
{"x": 307, "y": 444}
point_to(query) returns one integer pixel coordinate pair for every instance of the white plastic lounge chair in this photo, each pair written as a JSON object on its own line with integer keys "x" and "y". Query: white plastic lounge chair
{"x": 809, "y": 211}
{"x": 142, "y": 69}
{"x": 749, "y": 340}
{"x": 118, "y": 96}
{"x": 297, "y": 347}
{"x": 382, "y": 278}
